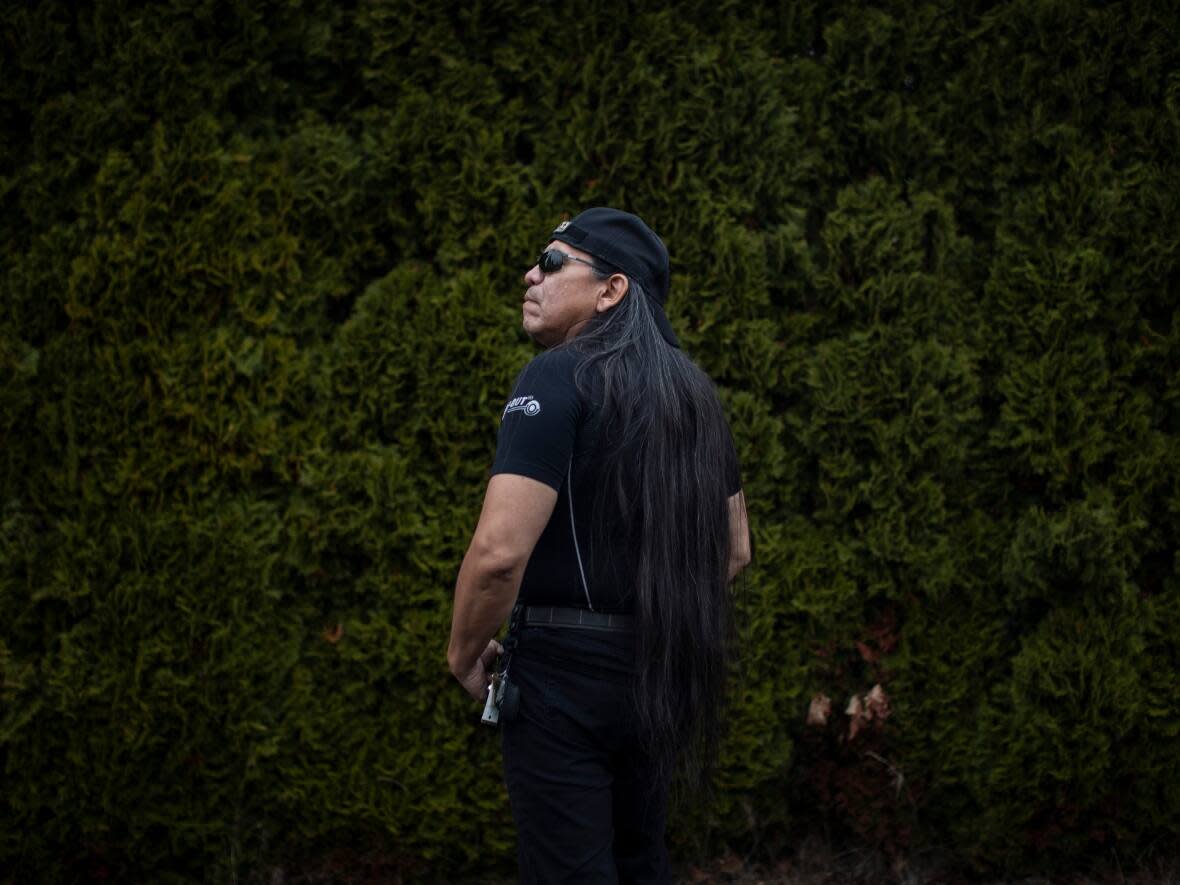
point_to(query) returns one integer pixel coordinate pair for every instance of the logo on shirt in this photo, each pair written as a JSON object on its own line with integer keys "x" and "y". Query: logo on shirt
{"x": 561, "y": 227}
{"x": 525, "y": 404}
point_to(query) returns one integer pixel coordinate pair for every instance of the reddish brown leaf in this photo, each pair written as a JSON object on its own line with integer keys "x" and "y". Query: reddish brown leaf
{"x": 819, "y": 710}
{"x": 877, "y": 703}
{"x": 856, "y": 716}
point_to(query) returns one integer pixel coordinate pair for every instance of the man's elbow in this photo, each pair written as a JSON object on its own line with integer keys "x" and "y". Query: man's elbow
{"x": 739, "y": 558}
{"x": 735, "y": 566}
{"x": 496, "y": 563}
{"x": 743, "y": 558}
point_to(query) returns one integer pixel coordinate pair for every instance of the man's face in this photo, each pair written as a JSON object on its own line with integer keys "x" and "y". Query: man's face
{"x": 557, "y": 305}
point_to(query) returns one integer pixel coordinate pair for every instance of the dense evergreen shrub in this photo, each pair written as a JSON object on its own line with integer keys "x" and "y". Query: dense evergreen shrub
{"x": 260, "y": 287}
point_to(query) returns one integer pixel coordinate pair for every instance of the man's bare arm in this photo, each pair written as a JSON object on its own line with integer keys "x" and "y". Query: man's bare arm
{"x": 739, "y": 535}
{"x": 515, "y": 512}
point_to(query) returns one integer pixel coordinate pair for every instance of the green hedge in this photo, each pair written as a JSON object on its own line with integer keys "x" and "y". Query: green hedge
{"x": 260, "y": 285}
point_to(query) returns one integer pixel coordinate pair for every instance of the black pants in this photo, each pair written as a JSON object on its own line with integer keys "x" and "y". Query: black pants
{"x": 585, "y": 804}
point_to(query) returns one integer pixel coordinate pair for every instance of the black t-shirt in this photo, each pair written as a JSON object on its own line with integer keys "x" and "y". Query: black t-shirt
{"x": 549, "y": 431}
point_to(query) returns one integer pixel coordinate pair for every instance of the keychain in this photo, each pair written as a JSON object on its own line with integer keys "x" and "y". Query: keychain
{"x": 501, "y": 693}
{"x": 491, "y": 708}
{"x": 502, "y": 696}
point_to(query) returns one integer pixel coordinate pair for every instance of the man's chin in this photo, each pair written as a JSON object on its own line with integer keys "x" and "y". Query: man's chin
{"x": 538, "y": 339}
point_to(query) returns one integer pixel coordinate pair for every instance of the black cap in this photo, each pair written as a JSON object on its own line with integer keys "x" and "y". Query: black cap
{"x": 623, "y": 241}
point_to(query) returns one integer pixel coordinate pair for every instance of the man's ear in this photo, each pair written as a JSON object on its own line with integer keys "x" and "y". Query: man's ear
{"x": 616, "y": 287}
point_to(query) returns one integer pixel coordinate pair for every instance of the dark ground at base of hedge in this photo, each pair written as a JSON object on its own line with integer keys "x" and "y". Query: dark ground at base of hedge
{"x": 815, "y": 861}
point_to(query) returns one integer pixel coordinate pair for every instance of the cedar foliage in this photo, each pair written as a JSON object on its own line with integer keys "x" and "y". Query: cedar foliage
{"x": 260, "y": 279}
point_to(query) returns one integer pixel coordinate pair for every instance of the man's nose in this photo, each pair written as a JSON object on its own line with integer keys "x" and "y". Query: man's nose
{"x": 533, "y": 275}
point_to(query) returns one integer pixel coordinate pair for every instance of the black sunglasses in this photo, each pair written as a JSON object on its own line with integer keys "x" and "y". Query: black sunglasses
{"x": 552, "y": 260}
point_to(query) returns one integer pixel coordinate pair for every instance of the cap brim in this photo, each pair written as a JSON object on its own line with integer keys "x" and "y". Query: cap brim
{"x": 662, "y": 322}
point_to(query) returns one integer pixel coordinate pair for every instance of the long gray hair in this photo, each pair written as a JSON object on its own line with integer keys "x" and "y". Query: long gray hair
{"x": 666, "y": 458}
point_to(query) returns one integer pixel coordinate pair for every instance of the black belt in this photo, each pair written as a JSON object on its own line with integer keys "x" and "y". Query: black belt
{"x": 554, "y": 616}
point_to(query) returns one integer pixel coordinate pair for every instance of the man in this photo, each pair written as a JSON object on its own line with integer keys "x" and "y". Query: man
{"x": 612, "y": 525}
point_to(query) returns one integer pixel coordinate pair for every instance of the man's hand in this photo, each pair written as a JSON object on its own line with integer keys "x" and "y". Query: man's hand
{"x": 475, "y": 680}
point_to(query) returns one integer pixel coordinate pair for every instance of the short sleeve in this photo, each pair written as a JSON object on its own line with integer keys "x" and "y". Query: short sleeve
{"x": 540, "y": 420}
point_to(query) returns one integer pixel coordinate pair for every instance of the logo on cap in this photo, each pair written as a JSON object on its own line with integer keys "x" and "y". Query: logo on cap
{"x": 561, "y": 227}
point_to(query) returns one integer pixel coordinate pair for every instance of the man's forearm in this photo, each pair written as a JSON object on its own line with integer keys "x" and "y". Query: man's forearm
{"x": 484, "y": 596}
